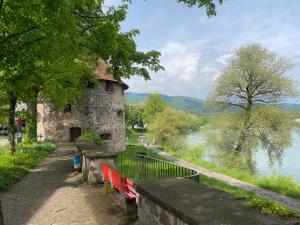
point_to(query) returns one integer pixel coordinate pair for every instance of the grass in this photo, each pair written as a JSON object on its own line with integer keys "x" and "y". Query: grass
{"x": 280, "y": 184}
{"x": 13, "y": 168}
{"x": 143, "y": 168}
{"x": 133, "y": 135}
{"x": 265, "y": 206}
{"x": 2, "y": 137}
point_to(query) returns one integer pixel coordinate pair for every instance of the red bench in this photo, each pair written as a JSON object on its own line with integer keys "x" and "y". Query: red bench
{"x": 119, "y": 182}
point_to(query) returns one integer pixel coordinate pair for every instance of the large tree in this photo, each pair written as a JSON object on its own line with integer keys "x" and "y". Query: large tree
{"x": 47, "y": 47}
{"x": 255, "y": 80}
{"x": 153, "y": 105}
{"x": 135, "y": 115}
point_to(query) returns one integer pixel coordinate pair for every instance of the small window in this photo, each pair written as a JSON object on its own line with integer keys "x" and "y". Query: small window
{"x": 109, "y": 86}
{"x": 120, "y": 113}
{"x": 90, "y": 85}
{"x": 68, "y": 108}
{"x": 105, "y": 137}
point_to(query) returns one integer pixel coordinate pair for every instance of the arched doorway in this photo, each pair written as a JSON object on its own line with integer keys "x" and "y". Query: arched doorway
{"x": 75, "y": 132}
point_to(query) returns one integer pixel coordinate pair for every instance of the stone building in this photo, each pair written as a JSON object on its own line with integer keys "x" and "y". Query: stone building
{"x": 101, "y": 110}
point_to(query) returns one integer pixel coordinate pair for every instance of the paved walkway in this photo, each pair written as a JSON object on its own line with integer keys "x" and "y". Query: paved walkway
{"x": 54, "y": 195}
{"x": 284, "y": 200}
{"x": 3, "y": 142}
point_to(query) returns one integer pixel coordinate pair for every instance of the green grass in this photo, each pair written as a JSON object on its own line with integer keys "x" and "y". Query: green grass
{"x": 133, "y": 135}
{"x": 133, "y": 149}
{"x": 265, "y": 206}
{"x": 280, "y": 184}
{"x": 13, "y": 168}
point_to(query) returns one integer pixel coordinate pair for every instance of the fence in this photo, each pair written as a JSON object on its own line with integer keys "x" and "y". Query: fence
{"x": 139, "y": 166}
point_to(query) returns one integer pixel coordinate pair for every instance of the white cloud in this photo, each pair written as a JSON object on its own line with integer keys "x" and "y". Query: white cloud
{"x": 190, "y": 69}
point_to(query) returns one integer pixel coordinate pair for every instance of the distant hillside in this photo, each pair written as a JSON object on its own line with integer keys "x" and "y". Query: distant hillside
{"x": 188, "y": 104}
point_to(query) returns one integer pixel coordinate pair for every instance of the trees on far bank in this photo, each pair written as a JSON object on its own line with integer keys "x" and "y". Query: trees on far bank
{"x": 251, "y": 85}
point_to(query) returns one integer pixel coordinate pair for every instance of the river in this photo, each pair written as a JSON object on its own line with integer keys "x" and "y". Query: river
{"x": 290, "y": 163}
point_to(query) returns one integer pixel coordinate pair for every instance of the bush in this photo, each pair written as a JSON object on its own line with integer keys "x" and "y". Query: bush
{"x": 13, "y": 168}
{"x": 90, "y": 136}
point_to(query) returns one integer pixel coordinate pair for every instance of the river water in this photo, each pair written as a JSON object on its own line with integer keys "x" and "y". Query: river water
{"x": 290, "y": 164}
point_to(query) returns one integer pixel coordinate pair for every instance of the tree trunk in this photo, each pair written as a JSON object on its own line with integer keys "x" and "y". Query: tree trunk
{"x": 12, "y": 129}
{"x": 243, "y": 133}
{"x": 32, "y": 125}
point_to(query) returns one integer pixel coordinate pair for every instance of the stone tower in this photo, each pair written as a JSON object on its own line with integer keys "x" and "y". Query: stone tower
{"x": 101, "y": 110}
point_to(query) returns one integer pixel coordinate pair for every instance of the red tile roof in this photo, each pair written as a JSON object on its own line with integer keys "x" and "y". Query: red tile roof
{"x": 101, "y": 73}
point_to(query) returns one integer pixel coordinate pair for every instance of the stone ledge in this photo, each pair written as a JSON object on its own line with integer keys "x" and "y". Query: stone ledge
{"x": 195, "y": 204}
{"x": 92, "y": 154}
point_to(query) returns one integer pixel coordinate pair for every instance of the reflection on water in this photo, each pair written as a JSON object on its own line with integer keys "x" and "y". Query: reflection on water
{"x": 290, "y": 163}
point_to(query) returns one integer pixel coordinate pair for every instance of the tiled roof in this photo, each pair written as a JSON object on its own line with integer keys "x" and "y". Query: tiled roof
{"x": 101, "y": 73}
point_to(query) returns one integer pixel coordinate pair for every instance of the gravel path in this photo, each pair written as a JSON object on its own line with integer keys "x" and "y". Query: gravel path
{"x": 54, "y": 195}
{"x": 3, "y": 142}
{"x": 284, "y": 200}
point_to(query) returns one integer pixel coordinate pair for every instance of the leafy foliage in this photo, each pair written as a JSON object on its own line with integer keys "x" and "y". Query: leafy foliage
{"x": 252, "y": 83}
{"x": 208, "y": 4}
{"x": 13, "y": 168}
{"x": 135, "y": 116}
{"x": 90, "y": 136}
{"x": 154, "y": 104}
{"x": 170, "y": 124}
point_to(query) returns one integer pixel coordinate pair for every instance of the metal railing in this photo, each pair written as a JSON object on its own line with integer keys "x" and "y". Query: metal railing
{"x": 139, "y": 166}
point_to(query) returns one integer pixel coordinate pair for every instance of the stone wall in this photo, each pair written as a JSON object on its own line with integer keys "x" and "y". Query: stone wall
{"x": 150, "y": 213}
{"x": 99, "y": 111}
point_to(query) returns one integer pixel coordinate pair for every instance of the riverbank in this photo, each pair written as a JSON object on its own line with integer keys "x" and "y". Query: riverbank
{"x": 252, "y": 200}
{"x": 284, "y": 185}
{"x": 280, "y": 184}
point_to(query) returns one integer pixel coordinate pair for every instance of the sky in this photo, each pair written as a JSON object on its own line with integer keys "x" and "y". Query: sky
{"x": 195, "y": 49}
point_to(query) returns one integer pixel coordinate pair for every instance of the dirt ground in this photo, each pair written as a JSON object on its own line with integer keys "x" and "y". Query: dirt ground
{"x": 52, "y": 194}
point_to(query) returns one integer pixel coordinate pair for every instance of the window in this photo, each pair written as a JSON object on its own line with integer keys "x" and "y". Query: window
{"x": 105, "y": 137}
{"x": 90, "y": 85}
{"x": 109, "y": 86}
{"x": 68, "y": 108}
{"x": 120, "y": 113}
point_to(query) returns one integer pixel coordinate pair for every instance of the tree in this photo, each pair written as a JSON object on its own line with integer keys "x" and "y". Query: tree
{"x": 254, "y": 81}
{"x": 48, "y": 47}
{"x": 171, "y": 124}
{"x": 208, "y": 4}
{"x": 135, "y": 116}
{"x": 154, "y": 104}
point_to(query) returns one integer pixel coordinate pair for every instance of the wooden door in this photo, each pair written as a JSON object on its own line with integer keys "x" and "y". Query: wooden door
{"x": 75, "y": 132}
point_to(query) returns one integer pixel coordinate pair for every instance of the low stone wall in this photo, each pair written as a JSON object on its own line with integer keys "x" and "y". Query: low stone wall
{"x": 150, "y": 213}
{"x": 185, "y": 202}
{"x": 91, "y": 169}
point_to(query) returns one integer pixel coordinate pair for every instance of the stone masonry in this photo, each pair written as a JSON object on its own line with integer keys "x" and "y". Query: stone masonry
{"x": 101, "y": 110}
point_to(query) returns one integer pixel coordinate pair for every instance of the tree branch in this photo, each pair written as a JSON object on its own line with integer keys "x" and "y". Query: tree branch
{"x": 21, "y": 33}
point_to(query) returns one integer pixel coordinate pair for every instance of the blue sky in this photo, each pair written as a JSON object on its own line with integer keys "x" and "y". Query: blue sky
{"x": 196, "y": 48}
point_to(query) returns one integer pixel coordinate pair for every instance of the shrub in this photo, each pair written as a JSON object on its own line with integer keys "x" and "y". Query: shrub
{"x": 90, "y": 136}
{"x": 13, "y": 168}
